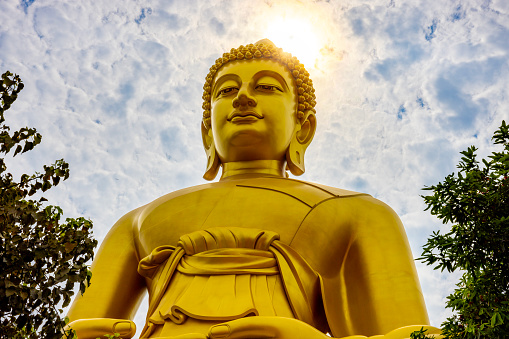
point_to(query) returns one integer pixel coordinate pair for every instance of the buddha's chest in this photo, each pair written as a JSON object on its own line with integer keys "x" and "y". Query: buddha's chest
{"x": 233, "y": 206}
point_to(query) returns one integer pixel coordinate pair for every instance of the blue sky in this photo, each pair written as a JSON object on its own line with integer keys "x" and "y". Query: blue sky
{"x": 114, "y": 87}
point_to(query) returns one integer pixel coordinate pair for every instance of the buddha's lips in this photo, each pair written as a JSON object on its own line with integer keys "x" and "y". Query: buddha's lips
{"x": 247, "y": 116}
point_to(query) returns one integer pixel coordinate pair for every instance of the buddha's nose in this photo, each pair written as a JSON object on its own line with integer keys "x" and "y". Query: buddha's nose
{"x": 243, "y": 100}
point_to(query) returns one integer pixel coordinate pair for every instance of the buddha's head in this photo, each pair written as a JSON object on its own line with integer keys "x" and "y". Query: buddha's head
{"x": 258, "y": 105}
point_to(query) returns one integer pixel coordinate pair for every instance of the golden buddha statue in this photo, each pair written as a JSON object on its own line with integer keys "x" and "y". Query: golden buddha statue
{"x": 256, "y": 254}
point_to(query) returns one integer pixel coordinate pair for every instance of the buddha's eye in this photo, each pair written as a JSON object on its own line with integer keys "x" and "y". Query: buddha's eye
{"x": 227, "y": 91}
{"x": 268, "y": 88}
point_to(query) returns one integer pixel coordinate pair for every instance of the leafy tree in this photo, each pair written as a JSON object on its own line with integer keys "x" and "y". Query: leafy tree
{"x": 476, "y": 202}
{"x": 41, "y": 257}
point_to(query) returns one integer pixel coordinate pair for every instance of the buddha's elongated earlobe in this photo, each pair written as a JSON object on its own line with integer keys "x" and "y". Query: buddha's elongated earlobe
{"x": 300, "y": 142}
{"x": 213, "y": 162}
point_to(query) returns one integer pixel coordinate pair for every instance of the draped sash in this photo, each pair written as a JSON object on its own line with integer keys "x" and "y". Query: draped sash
{"x": 228, "y": 273}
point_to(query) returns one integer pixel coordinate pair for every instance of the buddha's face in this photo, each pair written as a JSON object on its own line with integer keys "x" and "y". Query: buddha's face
{"x": 253, "y": 113}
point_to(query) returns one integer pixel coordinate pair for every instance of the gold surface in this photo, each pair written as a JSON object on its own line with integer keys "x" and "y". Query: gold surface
{"x": 255, "y": 255}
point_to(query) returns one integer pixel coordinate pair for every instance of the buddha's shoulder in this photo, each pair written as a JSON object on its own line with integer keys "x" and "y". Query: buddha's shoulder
{"x": 314, "y": 195}
{"x": 168, "y": 198}
{"x": 307, "y": 192}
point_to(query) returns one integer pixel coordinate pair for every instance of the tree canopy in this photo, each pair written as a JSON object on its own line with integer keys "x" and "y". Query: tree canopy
{"x": 41, "y": 256}
{"x": 476, "y": 202}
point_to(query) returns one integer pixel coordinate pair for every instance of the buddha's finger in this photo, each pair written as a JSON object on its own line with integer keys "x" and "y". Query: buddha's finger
{"x": 98, "y": 327}
{"x": 245, "y": 328}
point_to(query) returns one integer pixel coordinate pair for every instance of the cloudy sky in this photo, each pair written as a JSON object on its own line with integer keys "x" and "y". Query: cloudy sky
{"x": 115, "y": 88}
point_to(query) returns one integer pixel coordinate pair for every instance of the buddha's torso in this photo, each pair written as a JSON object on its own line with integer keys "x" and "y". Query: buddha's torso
{"x": 270, "y": 204}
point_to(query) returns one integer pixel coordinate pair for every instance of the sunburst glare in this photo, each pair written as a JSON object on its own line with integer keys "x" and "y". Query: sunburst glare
{"x": 296, "y": 36}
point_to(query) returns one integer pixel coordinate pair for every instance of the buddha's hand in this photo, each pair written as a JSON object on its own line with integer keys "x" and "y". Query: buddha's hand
{"x": 287, "y": 328}
{"x": 265, "y": 327}
{"x": 99, "y": 327}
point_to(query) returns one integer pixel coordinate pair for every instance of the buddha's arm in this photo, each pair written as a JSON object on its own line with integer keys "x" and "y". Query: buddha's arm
{"x": 116, "y": 287}
{"x": 370, "y": 285}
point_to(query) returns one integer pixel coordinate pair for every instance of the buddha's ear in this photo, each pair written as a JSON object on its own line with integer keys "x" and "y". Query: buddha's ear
{"x": 210, "y": 149}
{"x": 300, "y": 141}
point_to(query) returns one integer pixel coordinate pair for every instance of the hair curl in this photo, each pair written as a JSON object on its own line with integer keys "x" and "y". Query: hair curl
{"x": 264, "y": 50}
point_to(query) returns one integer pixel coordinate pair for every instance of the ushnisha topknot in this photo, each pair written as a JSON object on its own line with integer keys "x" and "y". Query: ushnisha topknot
{"x": 264, "y": 49}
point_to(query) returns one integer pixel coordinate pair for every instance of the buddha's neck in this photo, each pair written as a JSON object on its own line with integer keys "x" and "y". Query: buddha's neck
{"x": 254, "y": 167}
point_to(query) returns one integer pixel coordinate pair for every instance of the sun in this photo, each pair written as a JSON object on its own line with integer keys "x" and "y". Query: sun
{"x": 297, "y": 37}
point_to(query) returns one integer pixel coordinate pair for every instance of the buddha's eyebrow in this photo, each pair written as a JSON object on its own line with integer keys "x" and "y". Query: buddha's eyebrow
{"x": 274, "y": 75}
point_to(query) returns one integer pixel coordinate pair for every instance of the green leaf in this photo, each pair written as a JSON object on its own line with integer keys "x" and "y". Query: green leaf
{"x": 494, "y": 319}
{"x": 70, "y": 246}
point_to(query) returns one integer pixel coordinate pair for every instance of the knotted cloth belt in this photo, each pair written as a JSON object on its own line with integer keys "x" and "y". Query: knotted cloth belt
{"x": 229, "y": 261}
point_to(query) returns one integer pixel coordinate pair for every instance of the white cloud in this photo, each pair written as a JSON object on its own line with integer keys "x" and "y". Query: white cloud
{"x": 115, "y": 89}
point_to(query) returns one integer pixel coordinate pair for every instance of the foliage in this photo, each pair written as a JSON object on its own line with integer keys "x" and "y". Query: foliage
{"x": 41, "y": 257}
{"x": 476, "y": 202}
{"x": 421, "y": 334}
{"x": 112, "y": 336}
